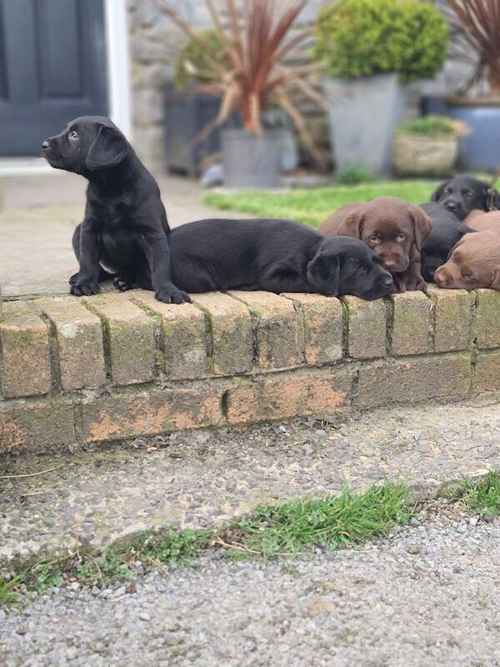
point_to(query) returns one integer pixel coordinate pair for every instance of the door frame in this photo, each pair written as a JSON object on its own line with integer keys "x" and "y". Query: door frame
{"x": 119, "y": 94}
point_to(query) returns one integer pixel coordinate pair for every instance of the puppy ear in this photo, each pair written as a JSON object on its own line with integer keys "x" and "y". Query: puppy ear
{"x": 108, "y": 149}
{"x": 323, "y": 273}
{"x": 352, "y": 225}
{"x": 437, "y": 194}
{"x": 492, "y": 199}
{"x": 422, "y": 225}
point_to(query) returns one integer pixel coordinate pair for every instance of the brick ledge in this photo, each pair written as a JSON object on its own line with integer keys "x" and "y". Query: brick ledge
{"x": 118, "y": 366}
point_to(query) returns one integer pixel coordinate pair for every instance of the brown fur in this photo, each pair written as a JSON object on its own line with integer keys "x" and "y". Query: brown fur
{"x": 482, "y": 222}
{"x": 474, "y": 262}
{"x": 394, "y": 229}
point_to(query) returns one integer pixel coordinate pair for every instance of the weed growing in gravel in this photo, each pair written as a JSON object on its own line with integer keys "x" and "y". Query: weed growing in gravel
{"x": 7, "y": 592}
{"x": 483, "y": 497}
{"x": 297, "y": 526}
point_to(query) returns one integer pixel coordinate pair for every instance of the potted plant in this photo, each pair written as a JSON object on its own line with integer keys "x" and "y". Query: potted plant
{"x": 427, "y": 146}
{"x": 369, "y": 50}
{"x": 475, "y": 26}
{"x": 253, "y": 78}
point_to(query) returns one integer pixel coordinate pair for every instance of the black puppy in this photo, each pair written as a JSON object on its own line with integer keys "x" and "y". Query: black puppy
{"x": 447, "y": 230}
{"x": 462, "y": 194}
{"x": 125, "y": 228}
{"x": 276, "y": 256}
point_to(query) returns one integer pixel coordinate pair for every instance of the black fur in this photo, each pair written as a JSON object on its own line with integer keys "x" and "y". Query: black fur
{"x": 125, "y": 229}
{"x": 447, "y": 230}
{"x": 276, "y": 256}
{"x": 462, "y": 194}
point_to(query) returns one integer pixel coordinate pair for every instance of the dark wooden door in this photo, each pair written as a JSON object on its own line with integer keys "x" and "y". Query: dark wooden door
{"x": 52, "y": 69}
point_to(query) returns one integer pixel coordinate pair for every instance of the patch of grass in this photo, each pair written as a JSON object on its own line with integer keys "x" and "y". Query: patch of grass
{"x": 430, "y": 126}
{"x": 298, "y": 526}
{"x": 312, "y": 207}
{"x": 354, "y": 176}
{"x": 8, "y": 593}
{"x": 483, "y": 497}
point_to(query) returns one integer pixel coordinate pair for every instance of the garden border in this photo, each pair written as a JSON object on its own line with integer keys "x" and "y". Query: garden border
{"x": 119, "y": 366}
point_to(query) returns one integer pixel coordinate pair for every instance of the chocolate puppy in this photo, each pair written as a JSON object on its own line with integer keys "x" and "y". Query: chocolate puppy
{"x": 474, "y": 262}
{"x": 125, "y": 228}
{"x": 394, "y": 229}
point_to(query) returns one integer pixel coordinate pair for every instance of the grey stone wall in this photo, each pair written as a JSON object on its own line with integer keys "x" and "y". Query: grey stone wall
{"x": 154, "y": 44}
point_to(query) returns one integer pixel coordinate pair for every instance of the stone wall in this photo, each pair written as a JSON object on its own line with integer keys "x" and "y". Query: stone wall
{"x": 119, "y": 366}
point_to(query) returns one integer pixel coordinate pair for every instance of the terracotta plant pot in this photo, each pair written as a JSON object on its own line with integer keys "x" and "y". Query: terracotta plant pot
{"x": 415, "y": 155}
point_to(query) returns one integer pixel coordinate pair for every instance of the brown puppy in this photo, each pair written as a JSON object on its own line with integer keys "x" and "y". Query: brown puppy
{"x": 482, "y": 222}
{"x": 394, "y": 229}
{"x": 474, "y": 262}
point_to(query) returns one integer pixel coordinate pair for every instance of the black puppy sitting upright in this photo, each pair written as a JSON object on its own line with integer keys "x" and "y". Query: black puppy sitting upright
{"x": 125, "y": 229}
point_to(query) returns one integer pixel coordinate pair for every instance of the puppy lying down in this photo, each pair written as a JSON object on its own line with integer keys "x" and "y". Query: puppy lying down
{"x": 276, "y": 256}
{"x": 475, "y": 260}
{"x": 393, "y": 229}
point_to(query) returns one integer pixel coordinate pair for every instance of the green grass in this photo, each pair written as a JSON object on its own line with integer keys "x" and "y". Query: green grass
{"x": 312, "y": 207}
{"x": 483, "y": 497}
{"x": 298, "y": 526}
{"x": 272, "y": 531}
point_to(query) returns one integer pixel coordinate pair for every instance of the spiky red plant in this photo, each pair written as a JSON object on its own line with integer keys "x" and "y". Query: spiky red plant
{"x": 254, "y": 74}
{"x": 476, "y": 26}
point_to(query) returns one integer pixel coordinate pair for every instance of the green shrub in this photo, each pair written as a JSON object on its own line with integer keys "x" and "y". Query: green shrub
{"x": 192, "y": 64}
{"x": 353, "y": 175}
{"x": 358, "y": 38}
{"x": 429, "y": 126}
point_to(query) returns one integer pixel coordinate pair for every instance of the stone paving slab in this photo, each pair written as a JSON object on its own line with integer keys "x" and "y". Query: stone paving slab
{"x": 196, "y": 479}
{"x": 39, "y": 216}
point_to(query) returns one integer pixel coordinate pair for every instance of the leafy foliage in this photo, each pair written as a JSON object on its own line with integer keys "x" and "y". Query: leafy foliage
{"x": 476, "y": 37}
{"x": 358, "y": 38}
{"x": 251, "y": 72}
{"x": 199, "y": 62}
{"x": 430, "y": 126}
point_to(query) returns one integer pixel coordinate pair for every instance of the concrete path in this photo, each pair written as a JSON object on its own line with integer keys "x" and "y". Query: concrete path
{"x": 200, "y": 479}
{"x": 39, "y": 215}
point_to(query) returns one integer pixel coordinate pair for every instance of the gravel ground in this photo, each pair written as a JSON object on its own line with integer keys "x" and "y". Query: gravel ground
{"x": 200, "y": 479}
{"x": 428, "y": 595}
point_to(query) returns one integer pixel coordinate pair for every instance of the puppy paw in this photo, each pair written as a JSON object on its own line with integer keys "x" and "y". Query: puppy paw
{"x": 73, "y": 278}
{"x": 84, "y": 287}
{"x": 172, "y": 295}
{"x": 122, "y": 284}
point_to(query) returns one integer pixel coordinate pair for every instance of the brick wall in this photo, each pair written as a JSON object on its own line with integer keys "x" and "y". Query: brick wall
{"x": 118, "y": 366}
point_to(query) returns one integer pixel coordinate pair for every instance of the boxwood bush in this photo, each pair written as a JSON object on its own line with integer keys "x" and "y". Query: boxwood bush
{"x": 358, "y": 38}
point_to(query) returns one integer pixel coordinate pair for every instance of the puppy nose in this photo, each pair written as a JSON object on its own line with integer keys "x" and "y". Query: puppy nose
{"x": 388, "y": 281}
{"x": 451, "y": 206}
{"x": 389, "y": 264}
{"x": 45, "y": 144}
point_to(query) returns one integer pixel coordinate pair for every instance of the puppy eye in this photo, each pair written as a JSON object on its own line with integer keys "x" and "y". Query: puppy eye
{"x": 400, "y": 238}
{"x": 467, "y": 275}
{"x": 73, "y": 135}
{"x": 373, "y": 237}
{"x": 468, "y": 194}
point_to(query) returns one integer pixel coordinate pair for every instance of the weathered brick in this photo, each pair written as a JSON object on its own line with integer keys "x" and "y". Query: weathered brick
{"x": 231, "y": 333}
{"x": 452, "y": 319}
{"x": 130, "y": 334}
{"x": 24, "y": 339}
{"x": 36, "y": 425}
{"x": 184, "y": 335}
{"x": 323, "y": 327}
{"x": 286, "y": 395}
{"x": 487, "y": 372}
{"x": 487, "y": 326}
{"x": 412, "y": 324}
{"x": 408, "y": 381}
{"x": 278, "y": 332}
{"x": 366, "y": 328}
{"x": 135, "y": 413}
{"x": 79, "y": 342}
